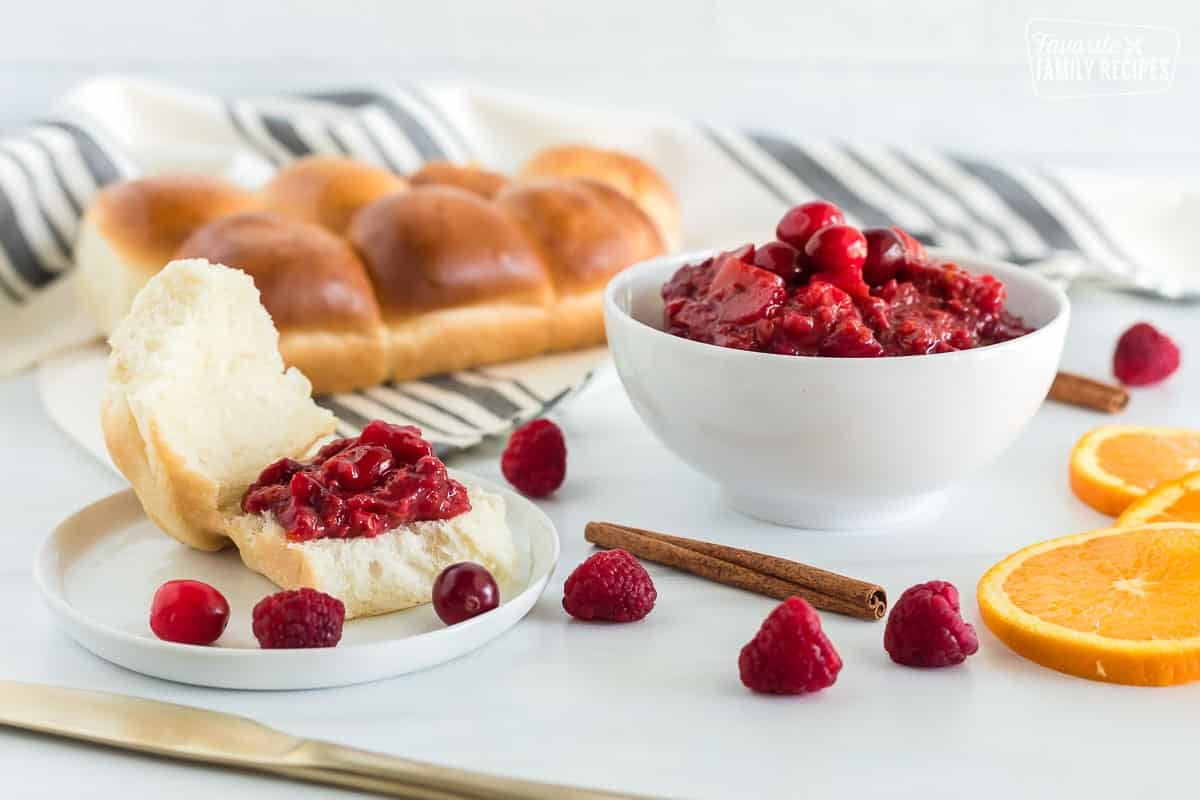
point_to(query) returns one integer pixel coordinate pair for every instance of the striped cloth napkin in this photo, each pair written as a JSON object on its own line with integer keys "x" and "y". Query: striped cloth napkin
{"x": 1127, "y": 232}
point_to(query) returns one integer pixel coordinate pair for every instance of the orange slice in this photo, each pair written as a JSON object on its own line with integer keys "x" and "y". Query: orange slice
{"x": 1119, "y": 605}
{"x": 1115, "y": 465}
{"x": 1173, "y": 501}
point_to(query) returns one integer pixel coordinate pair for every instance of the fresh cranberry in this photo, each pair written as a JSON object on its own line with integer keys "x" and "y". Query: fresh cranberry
{"x": 464, "y": 590}
{"x": 802, "y": 221}
{"x": 836, "y": 254}
{"x": 885, "y": 255}
{"x": 780, "y": 258}
{"x": 361, "y": 486}
{"x": 188, "y": 612}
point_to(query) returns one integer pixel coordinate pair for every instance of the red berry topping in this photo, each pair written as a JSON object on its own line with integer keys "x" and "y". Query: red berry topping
{"x": 1145, "y": 355}
{"x": 743, "y": 292}
{"x": 885, "y": 255}
{"x": 802, "y": 221}
{"x": 836, "y": 254}
{"x": 790, "y": 654}
{"x": 914, "y": 251}
{"x": 925, "y": 628}
{"x": 464, "y": 590}
{"x": 535, "y": 460}
{"x": 611, "y": 585}
{"x": 188, "y": 612}
{"x": 780, "y": 258}
{"x": 298, "y": 618}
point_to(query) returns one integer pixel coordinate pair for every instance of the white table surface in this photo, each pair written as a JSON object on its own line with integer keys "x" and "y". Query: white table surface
{"x": 656, "y": 707}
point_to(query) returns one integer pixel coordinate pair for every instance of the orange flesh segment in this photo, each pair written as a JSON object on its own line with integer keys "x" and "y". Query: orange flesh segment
{"x": 1146, "y": 461}
{"x": 1140, "y": 585}
{"x": 1185, "y": 509}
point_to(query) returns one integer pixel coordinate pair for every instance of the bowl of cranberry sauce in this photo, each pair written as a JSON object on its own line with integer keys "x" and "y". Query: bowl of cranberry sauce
{"x": 834, "y": 378}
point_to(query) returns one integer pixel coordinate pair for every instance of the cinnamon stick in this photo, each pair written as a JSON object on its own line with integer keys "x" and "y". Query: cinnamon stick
{"x": 1076, "y": 390}
{"x": 746, "y": 569}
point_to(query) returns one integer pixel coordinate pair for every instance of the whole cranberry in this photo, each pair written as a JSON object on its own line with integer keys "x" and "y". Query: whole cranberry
{"x": 914, "y": 251}
{"x": 799, "y": 223}
{"x": 836, "y": 254}
{"x": 464, "y": 590}
{"x": 188, "y": 612}
{"x": 780, "y": 258}
{"x": 885, "y": 255}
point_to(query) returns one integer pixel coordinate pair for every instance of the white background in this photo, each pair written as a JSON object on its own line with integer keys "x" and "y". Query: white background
{"x": 656, "y": 708}
{"x": 927, "y": 71}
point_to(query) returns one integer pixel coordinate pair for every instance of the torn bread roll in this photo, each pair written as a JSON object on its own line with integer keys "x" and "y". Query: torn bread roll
{"x": 315, "y": 289}
{"x": 199, "y": 403}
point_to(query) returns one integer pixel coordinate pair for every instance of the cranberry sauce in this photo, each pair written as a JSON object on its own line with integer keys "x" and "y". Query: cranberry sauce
{"x": 819, "y": 300}
{"x": 361, "y": 486}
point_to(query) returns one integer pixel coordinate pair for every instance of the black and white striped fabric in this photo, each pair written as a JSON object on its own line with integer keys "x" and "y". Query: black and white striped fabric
{"x": 732, "y": 184}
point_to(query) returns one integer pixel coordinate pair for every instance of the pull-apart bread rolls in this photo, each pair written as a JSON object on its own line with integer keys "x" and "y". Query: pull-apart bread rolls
{"x": 458, "y": 282}
{"x": 315, "y": 289}
{"x": 368, "y": 278}
{"x": 199, "y": 404}
{"x": 327, "y": 190}
{"x": 131, "y": 229}
{"x": 628, "y": 174}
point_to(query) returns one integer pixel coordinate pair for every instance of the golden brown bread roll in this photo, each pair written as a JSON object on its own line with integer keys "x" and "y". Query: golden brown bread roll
{"x": 433, "y": 279}
{"x": 465, "y": 176}
{"x": 133, "y": 228}
{"x": 315, "y": 289}
{"x": 458, "y": 283}
{"x": 586, "y": 232}
{"x": 628, "y": 174}
{"x": 327, "y": 190}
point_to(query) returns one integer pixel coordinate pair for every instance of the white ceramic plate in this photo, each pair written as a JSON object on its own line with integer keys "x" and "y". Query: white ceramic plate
{"x": 99, "y": 569}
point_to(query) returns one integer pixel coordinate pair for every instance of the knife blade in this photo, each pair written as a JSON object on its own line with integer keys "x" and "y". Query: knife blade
{"x": 197, "y": 734}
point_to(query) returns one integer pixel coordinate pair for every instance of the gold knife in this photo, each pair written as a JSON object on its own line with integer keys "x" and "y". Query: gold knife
{"x": 197, "y": 734}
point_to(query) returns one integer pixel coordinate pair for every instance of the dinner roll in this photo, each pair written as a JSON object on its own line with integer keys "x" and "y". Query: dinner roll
{"x": 586, "y": 232}
{"x": 628, "y": 174}
{"x": 458, "y": 282}
{"x": 198, "y": 400}
{"x": 327, "y": 190}
{"x": 465, "y": 176}
{"x": 315, "y": 289}
{"x": 133, "y": 228}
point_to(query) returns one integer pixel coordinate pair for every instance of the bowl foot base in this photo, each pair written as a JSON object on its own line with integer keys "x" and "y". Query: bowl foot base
{"x": 829, "y": 514}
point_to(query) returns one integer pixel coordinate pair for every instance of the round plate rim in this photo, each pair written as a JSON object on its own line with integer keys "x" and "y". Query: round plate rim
{"x": 67, "y": 615}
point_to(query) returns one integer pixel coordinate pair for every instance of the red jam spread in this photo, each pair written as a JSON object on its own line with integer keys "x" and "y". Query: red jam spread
{"x": 812, "y": 297}
{"x": 362, "y": 486}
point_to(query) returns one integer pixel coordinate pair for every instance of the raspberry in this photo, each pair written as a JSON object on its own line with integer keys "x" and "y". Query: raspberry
{"x": 299, "y": 618}
{"x": 790, "y": 654}
{"x": 1144, "y": 355}
{"x": 925, "y": 629}
{"x": 611, "y": 585}
{"x": 535, "y": 460}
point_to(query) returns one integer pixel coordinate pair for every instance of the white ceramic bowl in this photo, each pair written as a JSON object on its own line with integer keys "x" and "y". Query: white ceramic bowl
{"x": 818, "y": 442}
